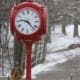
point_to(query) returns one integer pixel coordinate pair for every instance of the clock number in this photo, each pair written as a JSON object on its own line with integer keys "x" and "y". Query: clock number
{"x": 19, "y": 16}
{"x": 36, "y": 21}
{"x": 19, "y": 25}
{"x": 22, "y": 29}
{"x": 18, "y": 21}
{"x": 35, "y": 16}
{"x": 35, "y": 26}
{"x": 27, "y": 31}
{"x": 27, "y": 11}
{"x": 23, "y": 13}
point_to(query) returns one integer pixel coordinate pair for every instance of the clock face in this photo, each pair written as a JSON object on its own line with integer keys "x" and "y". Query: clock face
{"x": 27, "y": 21}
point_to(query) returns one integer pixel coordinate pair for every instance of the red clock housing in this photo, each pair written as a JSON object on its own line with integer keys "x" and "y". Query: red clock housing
{"x": 42, "y": 11}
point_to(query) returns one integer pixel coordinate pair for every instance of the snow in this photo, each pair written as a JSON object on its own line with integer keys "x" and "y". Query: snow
{"x": 53, "y": 59}
{"x": 11, "y": 39}
{"x": 58, "y": 41}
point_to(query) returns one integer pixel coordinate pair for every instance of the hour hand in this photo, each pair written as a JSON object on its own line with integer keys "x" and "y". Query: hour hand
{"x": 20, "y": 20}
{"x": 27, "y": 23}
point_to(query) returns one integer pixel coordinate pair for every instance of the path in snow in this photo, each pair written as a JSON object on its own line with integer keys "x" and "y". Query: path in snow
{"x": 62, "y": 71}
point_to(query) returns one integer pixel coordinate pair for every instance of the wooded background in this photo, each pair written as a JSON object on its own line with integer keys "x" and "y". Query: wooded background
{"x": 62, "y": 12}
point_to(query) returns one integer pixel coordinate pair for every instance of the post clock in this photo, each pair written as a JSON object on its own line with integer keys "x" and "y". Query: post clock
{"x": 28, "y": 22}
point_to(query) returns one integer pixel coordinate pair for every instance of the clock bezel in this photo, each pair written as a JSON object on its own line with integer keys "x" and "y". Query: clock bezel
{"x": 28, "y": 8}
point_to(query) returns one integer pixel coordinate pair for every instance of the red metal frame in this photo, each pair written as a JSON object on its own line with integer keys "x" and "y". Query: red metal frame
{"x": 29, "y": 39}
{"x": 45, "y": 18}
{"x": 28, "y": 59}
{"x": 42, "y": 13}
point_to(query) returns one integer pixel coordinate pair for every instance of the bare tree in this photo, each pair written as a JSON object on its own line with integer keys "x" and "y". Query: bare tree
{"x": 76, "y": 28}
{"x": 64, "y": 25}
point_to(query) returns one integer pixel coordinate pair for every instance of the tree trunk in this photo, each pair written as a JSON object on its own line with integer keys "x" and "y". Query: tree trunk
{"x": 64, "y": 25}
{"x": 76, "y": 28}
{"x": 48, "y": 34}
{"x": 35, "y": 53}
{"x": 18, "y": 49}
{"x": 44, "y": 48}
{"x": 0, "y": 34}
{"x": 18, "y": 46}
{"x": 23, "y": 58}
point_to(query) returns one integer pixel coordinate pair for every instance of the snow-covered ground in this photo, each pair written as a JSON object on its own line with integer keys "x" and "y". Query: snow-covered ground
{"x": 58, "y": 41}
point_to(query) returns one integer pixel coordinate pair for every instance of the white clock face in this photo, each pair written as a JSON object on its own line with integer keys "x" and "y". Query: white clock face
{"x": 27, "y": 21}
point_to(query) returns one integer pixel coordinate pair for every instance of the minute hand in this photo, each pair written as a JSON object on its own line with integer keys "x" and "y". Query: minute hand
{"x": 28, "y": 23}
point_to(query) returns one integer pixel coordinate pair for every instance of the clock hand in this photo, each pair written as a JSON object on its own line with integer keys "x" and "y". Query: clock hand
{"x": 27, "y": 22}
{"x": 30, "y": 24}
